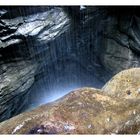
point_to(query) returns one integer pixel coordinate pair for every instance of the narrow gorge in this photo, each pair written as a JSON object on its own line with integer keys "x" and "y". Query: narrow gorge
{"x": 63, "y": 64}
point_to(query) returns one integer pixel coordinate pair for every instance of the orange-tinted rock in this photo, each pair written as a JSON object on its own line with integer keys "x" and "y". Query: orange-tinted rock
{"x": 125, "y": 84}
{"x": 84, "y": 111}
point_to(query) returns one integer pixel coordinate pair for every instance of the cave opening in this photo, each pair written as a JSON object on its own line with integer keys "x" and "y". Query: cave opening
{"x": 46, "y": 52}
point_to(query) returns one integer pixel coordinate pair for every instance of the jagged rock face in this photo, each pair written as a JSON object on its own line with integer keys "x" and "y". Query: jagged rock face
{"x": 41, "y": 26}
{"x": 116, "y": 58}
{"x": 121, "y": 48}
{"x": 20, "y": 32}
{"x": 83, "y": 111}
{"x": 15, "y": 80}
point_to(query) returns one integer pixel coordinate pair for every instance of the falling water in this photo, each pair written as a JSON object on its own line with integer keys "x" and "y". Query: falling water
{"x": 67, "y": 62}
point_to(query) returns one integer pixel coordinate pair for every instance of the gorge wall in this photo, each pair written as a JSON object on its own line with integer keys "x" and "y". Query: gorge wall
{"x": 47, "y": 51}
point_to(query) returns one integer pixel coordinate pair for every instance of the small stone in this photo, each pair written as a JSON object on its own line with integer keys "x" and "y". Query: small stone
{"x": 69, "y": 127}
{"x": 139, "y": 91}
{"x": 134, "y": 112}
{"x": 108, "y": 119}
{"x": 89, "y": 126}
{"x": 39, "y": 131}
{"x": 79, "y": 103}
{"x": 127, "y": 123}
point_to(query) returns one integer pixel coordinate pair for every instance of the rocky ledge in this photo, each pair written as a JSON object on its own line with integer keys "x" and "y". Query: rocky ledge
{"x": 111, "y": 110}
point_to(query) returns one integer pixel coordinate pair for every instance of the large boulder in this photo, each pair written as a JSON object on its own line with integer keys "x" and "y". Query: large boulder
{"x": 83, "y": 111}
{"x": 16, "y": 78}
{"x": 125, "y": 84}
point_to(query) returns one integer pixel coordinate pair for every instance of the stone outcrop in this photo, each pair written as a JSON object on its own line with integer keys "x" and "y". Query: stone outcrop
{"x": 42, "y": 26}
{"x": 83, "y": 111}
{"x": 16, "y": 78}
{"x": 125, "y": 84}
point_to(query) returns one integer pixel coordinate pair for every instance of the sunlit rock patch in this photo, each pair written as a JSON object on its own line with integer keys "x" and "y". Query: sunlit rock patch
{"x": 126, "y": 84}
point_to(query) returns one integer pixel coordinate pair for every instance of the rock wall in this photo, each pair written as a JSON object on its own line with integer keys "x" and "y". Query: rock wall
{"x": 21, "y": 30}
{"x": 15, "y": 81}
{"x": 121, "y": 47}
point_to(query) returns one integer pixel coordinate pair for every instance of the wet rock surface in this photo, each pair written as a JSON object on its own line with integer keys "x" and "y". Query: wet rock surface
{"x": 83, "y": 111}
{"x": 21, "y": 29}
{"x": 15, "y": 80}
{"x": 43, "y": 26}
